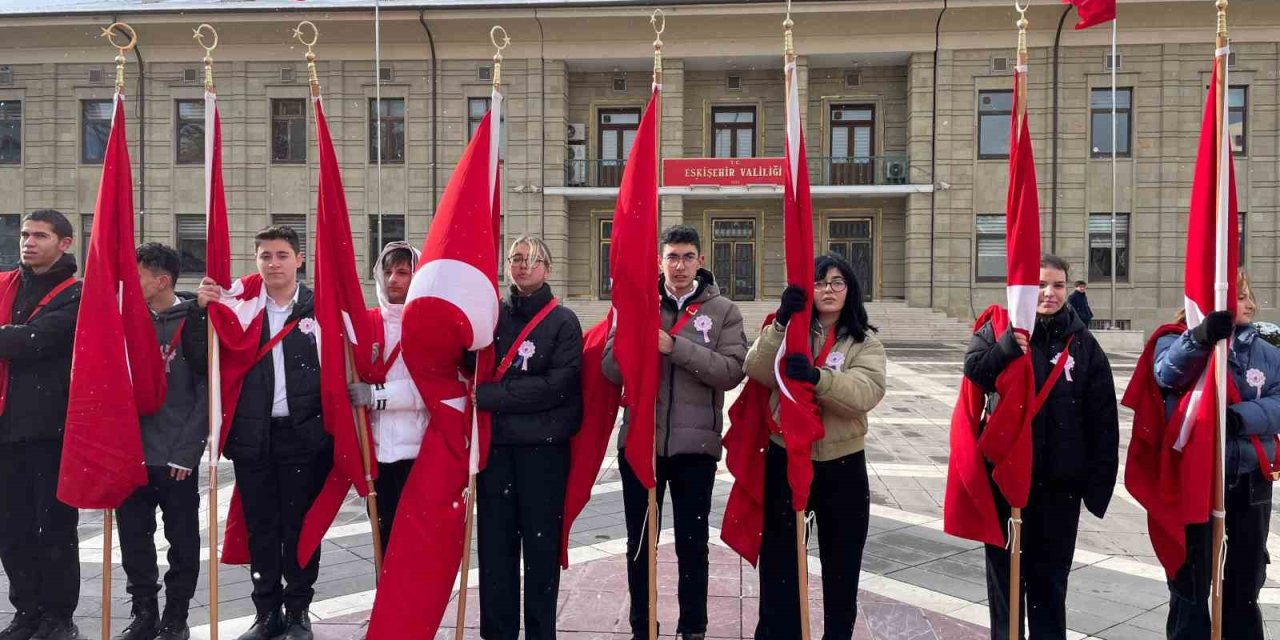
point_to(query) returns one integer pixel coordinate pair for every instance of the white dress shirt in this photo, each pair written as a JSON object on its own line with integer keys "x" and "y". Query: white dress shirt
{"x": 276, "y": 315}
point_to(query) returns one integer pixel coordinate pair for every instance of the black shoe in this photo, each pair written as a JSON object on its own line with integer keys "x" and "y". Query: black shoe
{"x": 23, "y": 626}
{"x": 299, "y": 626}
{"x": 173, "y": 625}
{"x": 693, "y": 636}
{"x": 58, "y": 628}
{"x": 265, "y": 627}
{"x": 146, "y": 620}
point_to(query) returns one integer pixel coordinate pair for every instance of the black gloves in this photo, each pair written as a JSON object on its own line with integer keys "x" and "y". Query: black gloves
{"x": 1216, "y": 326}
{"x": 793, "y": 300}
{"x": 798, "y": 367}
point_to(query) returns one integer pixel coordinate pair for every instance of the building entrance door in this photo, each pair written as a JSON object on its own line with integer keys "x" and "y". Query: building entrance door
{"x": 853, "y": 239}
{"x": 733, "y": 256}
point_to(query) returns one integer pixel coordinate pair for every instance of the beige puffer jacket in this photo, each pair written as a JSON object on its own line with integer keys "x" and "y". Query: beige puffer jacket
{"x": 844, "y": 397}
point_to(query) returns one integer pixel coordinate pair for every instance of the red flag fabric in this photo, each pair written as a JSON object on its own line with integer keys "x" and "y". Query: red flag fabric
{"x": 452, "y": 306}
{"x": 1093, "y": 12}
{"x": 600, "y": 400}
{"x": 117, "y": 373}
{"x": 969, "y": 508}
{"x": 745, "y": 447}
{"x": 635, "y": 294}
{"x": 798, "y": 415}
{"x": 343, "y": 320}
{"x": 217, "y": 234}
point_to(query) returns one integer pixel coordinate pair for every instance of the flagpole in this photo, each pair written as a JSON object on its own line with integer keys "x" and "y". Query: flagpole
{"x": 1115, "y": 172}
{"x": 107, "y": 521}
{"x": 802, "y": 555}
{"x": 651, "y": 518}
{"x": 1220, "y": 303}
{"x": 1015, "y": 515}
{"x": 214, "y": 373}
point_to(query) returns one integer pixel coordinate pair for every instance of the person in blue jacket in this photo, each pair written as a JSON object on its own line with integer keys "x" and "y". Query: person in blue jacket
{"x": 1255, "y": 367}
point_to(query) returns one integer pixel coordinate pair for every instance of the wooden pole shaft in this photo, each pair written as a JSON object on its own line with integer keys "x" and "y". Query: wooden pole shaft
{"x": 366, "y": 463}
{"x": 214, "y": 435}
{"x": 1220, "y": 352}
{"x": 651, "y": 533}
{"x": 1015, "y": 573}
{"x": 466, "y": 559}
{"x": 802, "y": 575}
{"x": 106, "y": 574}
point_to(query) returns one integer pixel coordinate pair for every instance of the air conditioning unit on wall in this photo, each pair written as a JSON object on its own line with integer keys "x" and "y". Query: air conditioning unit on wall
{"x": 575, "y": 132}
{"x": 576, "y": 166}
{"x": 895, "y": 172}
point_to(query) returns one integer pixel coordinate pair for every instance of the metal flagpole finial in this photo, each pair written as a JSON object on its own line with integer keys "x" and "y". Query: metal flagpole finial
{"x": 311, "y": 54}
{"x": 1022, "y": 24}
{"x": 658, "y": 20}
{"x": 110, "y": 33}
{"x": 788, "y": 24}
{"x": 1222, "y": 17}
{"x": 208, "y": 51}
{"x": 497, "y": 56}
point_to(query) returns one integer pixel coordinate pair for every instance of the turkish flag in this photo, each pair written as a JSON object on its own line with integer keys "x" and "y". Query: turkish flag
{"x": 1170, "y": 464}
{"x": 343, "y": 321}
{"x": 452, "y": 307}
{"x": 117, "y": 371}
{"x": 745, "y": 447}
{"x": 798, "y": 416}
{"x": 1093, "y": 12}
{"x": 635, "y": 294}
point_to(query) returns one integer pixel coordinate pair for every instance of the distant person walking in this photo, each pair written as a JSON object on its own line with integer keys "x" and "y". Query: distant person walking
{"x": 1079, "y": 300}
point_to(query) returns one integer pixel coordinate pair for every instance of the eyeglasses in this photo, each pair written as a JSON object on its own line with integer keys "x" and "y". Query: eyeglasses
{"x": 674, "y": 259}
{"x": 520, "y": 261}
{"x": 836, "y": 285}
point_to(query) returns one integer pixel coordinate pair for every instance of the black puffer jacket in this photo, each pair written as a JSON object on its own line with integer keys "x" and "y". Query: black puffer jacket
{"x": 539, "y": 402}
{"x": 252, "y": 436}
{"x": 1076, "y": 434}
{"x": 39, "y": 355}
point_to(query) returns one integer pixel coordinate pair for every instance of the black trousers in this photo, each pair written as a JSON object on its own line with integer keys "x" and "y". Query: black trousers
{"x": 691, "y": 478}
{"x": 39, "y": 545}
{"x": 276, "y": 492}
{"x": 840, "y": 499}
{"x": 1050, "y": 522}
{"x": 520, "y": 507}
{"x": 392, "y": 477}
{"x": 1248, "y": 502}
{"x": 179, "y": 504}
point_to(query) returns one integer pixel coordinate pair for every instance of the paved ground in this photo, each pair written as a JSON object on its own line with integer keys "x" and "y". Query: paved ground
{"x": 917, "y": 581}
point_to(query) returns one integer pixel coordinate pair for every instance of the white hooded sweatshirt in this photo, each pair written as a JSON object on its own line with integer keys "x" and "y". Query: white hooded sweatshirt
{"x": 399, "y": 414}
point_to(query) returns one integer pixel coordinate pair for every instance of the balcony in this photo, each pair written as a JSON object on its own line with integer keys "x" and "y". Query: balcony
{"x": 865, "y": 170}
{"x": 593, "y": 173}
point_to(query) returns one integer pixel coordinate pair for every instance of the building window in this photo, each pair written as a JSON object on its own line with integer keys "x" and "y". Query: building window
{"x": 1100, "y": 246}
{"x": 391, "y": 133}
{"x": 298, "y": 222}
{"x": 852, "y": 144}
{"x": 86, "y": 233}
{"x": 995, "y": 108}
{"x": 1238, "y": 119}
{"x": 476, "y": 108}
{"x": 189, "y": 131}
{"x": 95, "y": 126}
{"x": 604, "y": 275}
{"x": 733, "y": 131}
{"x": 1100, "y": 122}
{"x": 190, "y": 241}
{"x": 991, "y": 250}
{"x": 10, "y": 244}
{"x": 617, "y": 130}
{"x": 10, "y": 131}
{"x": 392, "y": 231}
{"x": 289, "y": 131}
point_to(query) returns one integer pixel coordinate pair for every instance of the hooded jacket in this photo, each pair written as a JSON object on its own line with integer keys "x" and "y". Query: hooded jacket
{"x": 39, "y": 355}
{"x": 1076, "y": 434}
{"x": 176, "y": 436}
{"x": 399, "y": 415}
{"x": 696, "y": 374}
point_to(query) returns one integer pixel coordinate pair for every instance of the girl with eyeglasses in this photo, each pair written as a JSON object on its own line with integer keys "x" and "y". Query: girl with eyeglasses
{"x": 848, "y": 381}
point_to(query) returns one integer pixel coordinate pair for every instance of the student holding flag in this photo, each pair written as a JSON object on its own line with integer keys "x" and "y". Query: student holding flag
{"x": 536, "y": 405}
{"x": 848, "y": 376}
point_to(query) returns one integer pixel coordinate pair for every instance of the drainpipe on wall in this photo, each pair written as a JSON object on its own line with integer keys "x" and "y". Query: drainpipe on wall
{"x": 1053, "y": 207}
{"x": 435, "y": 112}
{"x": 142, "y": 145}
{"x": 933, "y": 148}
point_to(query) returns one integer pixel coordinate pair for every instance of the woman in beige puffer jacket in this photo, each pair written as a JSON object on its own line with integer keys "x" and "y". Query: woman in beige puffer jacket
{"x": 848, "y": 383}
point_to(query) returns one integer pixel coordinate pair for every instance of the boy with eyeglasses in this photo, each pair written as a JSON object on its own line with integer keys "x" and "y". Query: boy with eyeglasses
{"x": 702, "y": 358}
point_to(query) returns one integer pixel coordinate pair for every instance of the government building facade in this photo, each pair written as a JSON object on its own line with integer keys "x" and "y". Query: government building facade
{"x": 907, "y": 122}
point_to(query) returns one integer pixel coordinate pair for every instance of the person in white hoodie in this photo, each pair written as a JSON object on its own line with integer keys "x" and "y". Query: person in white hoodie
{"x": 398, "y": 415}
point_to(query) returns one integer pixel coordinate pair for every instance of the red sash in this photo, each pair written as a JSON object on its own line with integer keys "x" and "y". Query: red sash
{"x": 514, "y": 349}
{"x": 1053, "y": 377}
{"x": 683, "y": 319}
{"x": 827, "y": 346}
{"x": 275, "y": 340}
{"x": 375, "y": 370}
{"x": 170, "y": 349}
{"x": 7, "y": 297}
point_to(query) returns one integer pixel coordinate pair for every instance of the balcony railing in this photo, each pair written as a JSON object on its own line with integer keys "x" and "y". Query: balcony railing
{"x": 823, "y": 171}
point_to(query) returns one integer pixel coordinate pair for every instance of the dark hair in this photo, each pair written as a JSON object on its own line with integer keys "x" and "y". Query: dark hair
{"x": 1081, "y": 283}
{"x": 681, "y": 234}
{"x": 1050, "y": 261}
{"x": 55, "y": 219}
{"x": 398, "y": 256}
{"x": 159, "y": 258}
{"x": 853, "y": 317}
{"x": 278, "y": 232}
